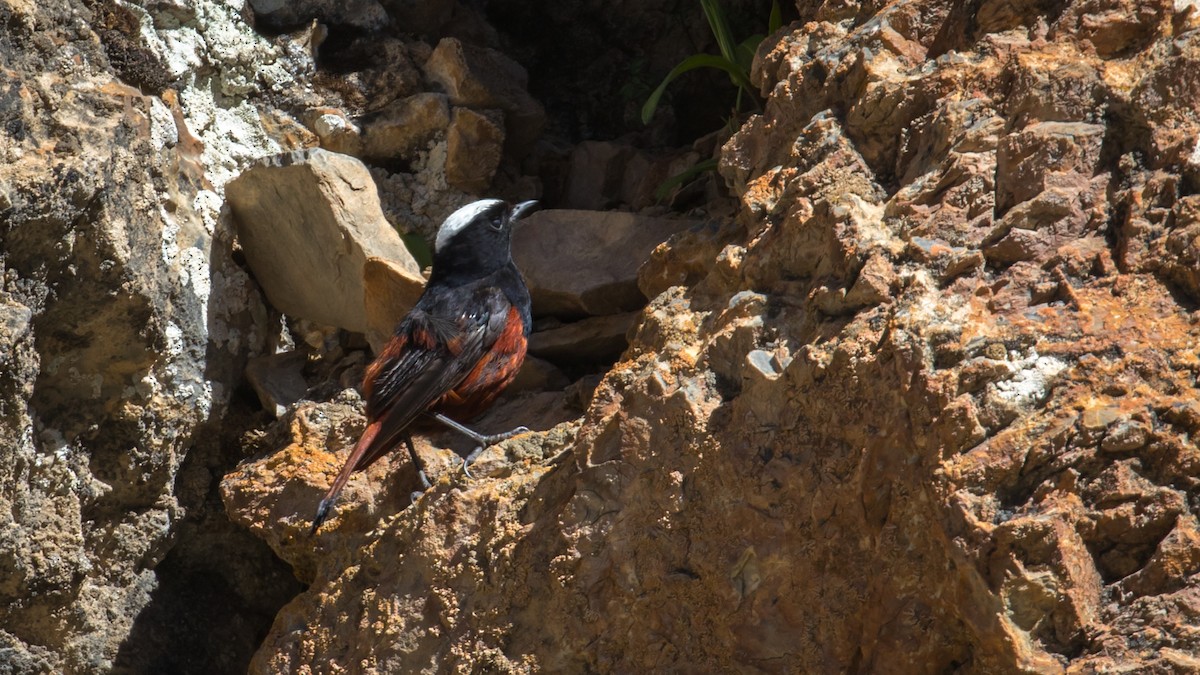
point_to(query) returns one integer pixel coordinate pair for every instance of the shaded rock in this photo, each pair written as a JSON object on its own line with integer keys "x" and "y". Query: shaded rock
{"x": 474, "y": 148}
{"x": 483, "y": 78}
{"x": 538, "y": 375}
{"x": 390, "y": 289}
{"x": 405, "y": 127}
{"x": 598, "y": 338}
{"x": 607, "y": 174}
{"x": 307, "y": 222}
{"x": 586, "y": 262}
{"x": 278, "y": 379}
{"x": 423, "y": 17}
{"x": 288, "y": 14}
{"x": 365, "y": 71}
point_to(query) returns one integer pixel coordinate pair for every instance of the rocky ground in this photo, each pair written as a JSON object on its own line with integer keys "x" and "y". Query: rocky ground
{"x": 908, "y": 386}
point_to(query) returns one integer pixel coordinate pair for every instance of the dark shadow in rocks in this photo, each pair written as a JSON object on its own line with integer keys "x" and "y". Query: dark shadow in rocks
{"x": 219, "y": 587}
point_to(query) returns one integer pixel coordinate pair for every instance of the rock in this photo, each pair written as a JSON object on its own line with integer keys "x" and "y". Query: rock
{"x": 590, "y": 340}
{"x": 608, "y": 174}
{"x": 125, "y": 326}
{"x": 336, "y": 131}
{"x": 929, "y": 402}
{"x": 282, "y": 15}
{"x": 362, "y": 72}
{"x": 586, "y": 262}
{"x": 421, "y": 17}
{"x": 474, "y": 148}
{"x": 405, "y": 127}
{"x": 278, "y": 379}
{"x": 538, "y": 375}
{"x": 595, "y": 171}
{"x": 307, "y": 222}
{"x": 389, "y": 290}
{"x": 483, "y": 78}
{"x": 685, "y": 258}
{"x": 1044, "y": 156}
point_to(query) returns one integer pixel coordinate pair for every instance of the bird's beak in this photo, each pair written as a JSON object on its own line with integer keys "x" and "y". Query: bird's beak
{"x": 523, "y": 209}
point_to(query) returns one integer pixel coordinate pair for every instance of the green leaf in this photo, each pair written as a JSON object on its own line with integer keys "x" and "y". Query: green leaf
{"x": 719, "y": 26}
{"x": 683, "y": 177}
{"x": 691, "y": 63}
{"x": 746, "y": 51}
{"x": 776, "y": 20}
{"x": 419, "y": 248}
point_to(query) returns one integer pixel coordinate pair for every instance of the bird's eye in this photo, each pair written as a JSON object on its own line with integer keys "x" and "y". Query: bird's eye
{"x": 497, "y": 222}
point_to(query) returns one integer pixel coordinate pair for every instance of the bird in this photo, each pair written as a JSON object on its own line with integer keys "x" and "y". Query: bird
{"x": 459, "y": 346}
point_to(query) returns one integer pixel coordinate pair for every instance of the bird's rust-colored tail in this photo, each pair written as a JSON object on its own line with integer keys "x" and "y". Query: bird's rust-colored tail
{"x": 359, "y": 458}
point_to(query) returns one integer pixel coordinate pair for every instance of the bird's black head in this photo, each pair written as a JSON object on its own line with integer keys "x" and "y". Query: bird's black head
{"x": 476, "y": 240}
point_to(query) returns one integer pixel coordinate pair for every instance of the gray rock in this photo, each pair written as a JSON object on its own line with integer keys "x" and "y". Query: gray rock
{"x": 586, "y": 262}
{"x": 308, "y": 221}
{"x": 537, "y": 375}
{"x": 597, "y": 338}
{"x": 278, "y": 380}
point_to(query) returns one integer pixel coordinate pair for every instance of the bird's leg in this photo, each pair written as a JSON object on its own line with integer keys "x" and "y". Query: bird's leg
{"x": 416, "y": 460}
{"x": 480, "y": 440}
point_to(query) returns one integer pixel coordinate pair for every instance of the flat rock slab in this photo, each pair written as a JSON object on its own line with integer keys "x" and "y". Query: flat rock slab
{"x": 308, "y": 221}
{"x": 278, "y": 379}
{"x": 389, "y": 291}
{"x": 595, "y": 338}
{"x": 580, "y": 263}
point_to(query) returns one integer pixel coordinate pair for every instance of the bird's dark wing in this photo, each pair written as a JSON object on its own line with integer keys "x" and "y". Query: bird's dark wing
{"x": 432, "y": 350}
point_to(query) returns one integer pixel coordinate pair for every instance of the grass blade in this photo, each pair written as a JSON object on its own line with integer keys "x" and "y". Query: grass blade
{"x": 691, "y": 63}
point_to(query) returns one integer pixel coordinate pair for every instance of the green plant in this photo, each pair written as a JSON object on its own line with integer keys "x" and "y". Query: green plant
{"x": 734, "y": 59}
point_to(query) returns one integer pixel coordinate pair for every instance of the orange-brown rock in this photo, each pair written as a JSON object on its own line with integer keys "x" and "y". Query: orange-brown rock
{"x": 930, "y": 408}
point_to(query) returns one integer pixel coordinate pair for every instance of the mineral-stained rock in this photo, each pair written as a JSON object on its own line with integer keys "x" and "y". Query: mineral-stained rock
{"x": 308, "y": 222}
{"x": 930, "y": 406}
{"x": 586, "y": 262}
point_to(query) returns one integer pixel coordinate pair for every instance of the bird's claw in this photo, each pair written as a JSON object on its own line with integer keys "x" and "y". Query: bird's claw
{"x": 469, "y": 459}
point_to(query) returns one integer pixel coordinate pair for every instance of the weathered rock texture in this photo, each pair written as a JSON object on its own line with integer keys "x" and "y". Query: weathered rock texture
{"x": 125, "y": 325}
{"x": 308, "y": 221}
{"x": 929, "y": 408}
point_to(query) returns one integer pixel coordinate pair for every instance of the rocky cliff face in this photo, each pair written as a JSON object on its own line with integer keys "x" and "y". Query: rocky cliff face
{"x": 126, "y": 324}
{"x": 926, "y": 403}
